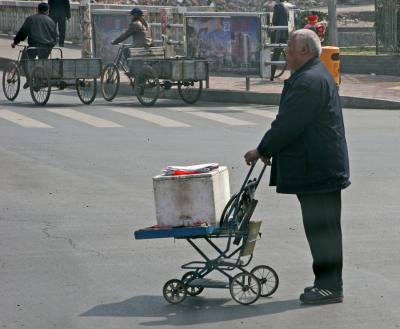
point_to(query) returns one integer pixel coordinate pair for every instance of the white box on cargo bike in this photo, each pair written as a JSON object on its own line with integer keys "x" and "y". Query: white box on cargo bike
{"x": 186, "y": 199}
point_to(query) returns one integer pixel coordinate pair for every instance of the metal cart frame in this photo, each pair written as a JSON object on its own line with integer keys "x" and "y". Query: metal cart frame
{"x": 240, "y": 234}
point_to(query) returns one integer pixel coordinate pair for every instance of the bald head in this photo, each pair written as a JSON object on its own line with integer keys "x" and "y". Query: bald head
{"x": 303, "y": 45}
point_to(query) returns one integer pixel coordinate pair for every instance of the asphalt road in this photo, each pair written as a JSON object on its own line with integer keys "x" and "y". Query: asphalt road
{"x": 77, "y": 180}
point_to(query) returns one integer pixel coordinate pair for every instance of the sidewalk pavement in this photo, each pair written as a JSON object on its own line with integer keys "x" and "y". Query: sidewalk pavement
{"x": 356, "y": 90}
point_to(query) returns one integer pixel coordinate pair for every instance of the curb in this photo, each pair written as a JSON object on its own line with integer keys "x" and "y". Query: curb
{"x": 249, "y": 97}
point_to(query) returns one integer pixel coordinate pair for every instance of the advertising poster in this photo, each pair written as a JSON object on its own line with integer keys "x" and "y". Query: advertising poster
{"x": 231, "y": 44}
{"x": 105, "y": 29}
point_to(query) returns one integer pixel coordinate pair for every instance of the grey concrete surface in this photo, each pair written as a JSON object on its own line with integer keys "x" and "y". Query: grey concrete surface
{"x": 72, "y": 195}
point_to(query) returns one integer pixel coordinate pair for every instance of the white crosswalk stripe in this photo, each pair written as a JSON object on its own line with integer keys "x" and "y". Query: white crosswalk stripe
{"x": 22, "y": 120}
{"x": 221, "y": 118}
{"x": 85, "y": 118}
{"x": 153, "y": 118}
{"x": 262, "y": 111}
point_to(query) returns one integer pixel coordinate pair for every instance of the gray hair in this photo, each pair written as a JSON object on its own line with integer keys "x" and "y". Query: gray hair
{"x": 308, "y": 39}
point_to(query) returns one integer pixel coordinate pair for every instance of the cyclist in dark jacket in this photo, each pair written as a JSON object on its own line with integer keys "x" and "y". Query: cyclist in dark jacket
{"x": 40, "y": 31}
{"x": 308, "y": 148}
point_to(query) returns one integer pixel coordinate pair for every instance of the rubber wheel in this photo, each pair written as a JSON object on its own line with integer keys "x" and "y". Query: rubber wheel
{"x": 110, "y": 80}
{"x": 189, "y": 276}
{"x": 86, "y": 89}
{"x": 174, "y": 291}
{"x": 11, "y": 81}
{"x": 268, "y": 278}
{"x": 280, "y": 69}
{"x": 190, "y": 91}
{"x": 245, "y": 288}
{"x": 147, "y": 86}
{"x": 39, "y": 85}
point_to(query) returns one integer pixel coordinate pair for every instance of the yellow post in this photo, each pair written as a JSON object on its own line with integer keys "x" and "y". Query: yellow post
{"x": 330, "y": 57}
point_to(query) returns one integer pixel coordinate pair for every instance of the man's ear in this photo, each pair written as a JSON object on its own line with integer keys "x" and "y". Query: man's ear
{"x": 304, "y": 50}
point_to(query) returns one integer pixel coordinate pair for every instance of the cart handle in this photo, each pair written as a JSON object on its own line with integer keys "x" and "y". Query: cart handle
{"x": 257, "y": 181}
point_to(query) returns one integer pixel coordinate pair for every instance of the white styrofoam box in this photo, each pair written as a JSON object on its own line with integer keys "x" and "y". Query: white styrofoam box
{"x": 181, "y": 200}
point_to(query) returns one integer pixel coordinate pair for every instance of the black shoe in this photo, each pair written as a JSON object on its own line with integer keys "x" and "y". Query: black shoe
{"x": 26, "y": 85}
{"x": 308, "y": 289}
{"x": 318, "y": 296}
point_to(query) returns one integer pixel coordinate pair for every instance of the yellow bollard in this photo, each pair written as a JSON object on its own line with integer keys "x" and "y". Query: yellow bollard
{"x": 330, "y": 57}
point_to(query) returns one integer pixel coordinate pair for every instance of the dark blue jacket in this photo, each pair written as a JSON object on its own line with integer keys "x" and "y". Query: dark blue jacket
{"x": 307, "y": 139}
{"x": 40, "y": 30}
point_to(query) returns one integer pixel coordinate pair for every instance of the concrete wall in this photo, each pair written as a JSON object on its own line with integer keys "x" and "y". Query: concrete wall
{"x": 378, "y": 64}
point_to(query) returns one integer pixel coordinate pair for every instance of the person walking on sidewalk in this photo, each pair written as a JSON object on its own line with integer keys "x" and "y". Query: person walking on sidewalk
{"x": 280, "y": 17}
{"x": 60, "y": 11}
{"x": 307, "y": 146}
{"x": 41, "y": 33}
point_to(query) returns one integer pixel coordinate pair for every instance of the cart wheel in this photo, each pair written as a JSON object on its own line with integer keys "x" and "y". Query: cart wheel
{"x": 110, "y": 80}
{"x": 189, "y": 276}
{"x": 245, "y": 288}
{"x": 39, "y": 85}
{"x": 11, "y": 81}
{"x": 87, "y": 90}
{"x": 190, "y": 91}
{"x": 174, "y": 291}
{"x": 268, "y": 278}
{"x": 147, "y": 86}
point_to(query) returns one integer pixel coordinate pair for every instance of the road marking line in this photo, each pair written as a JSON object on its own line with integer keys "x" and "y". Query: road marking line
{"x": 261, "y": 111}
{"x": 153, "y": 118}
{"x": 214, "y": 117}
{"x": 85, "y": 118}
{"x": 22, "y": 120}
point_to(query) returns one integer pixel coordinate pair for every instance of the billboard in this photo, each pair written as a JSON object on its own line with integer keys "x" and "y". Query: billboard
{"x": 107, "y": 26}
{"x": 231, "y": 44}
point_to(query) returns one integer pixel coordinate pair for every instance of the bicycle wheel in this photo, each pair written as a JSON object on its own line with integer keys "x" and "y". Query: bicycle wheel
{"x": 280, "y": 69}
{"x": 11, "y": 81}
{"x": 190, "y": 91}
{"x": 268, "y": 278}
{"x": 147, "y": 86}
{"x": 86, "y": 89}
{"x": 110, "y": 80}
{"x": 39, "y": 85}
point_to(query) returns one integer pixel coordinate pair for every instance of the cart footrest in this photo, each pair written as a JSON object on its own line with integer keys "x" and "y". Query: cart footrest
{"x": 176, "y": 232}
{"x": 208, "y": 283}
{"x": 230, "y": 262}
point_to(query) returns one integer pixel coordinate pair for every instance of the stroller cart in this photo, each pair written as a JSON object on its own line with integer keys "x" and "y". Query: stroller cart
{"x": 240, "y": 235}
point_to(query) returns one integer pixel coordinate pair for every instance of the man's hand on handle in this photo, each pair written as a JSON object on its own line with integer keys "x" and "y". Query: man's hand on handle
{"x": 253, "y": 155}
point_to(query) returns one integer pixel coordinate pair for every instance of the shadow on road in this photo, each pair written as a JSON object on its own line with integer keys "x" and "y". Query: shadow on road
{"x": 197, "y": 310}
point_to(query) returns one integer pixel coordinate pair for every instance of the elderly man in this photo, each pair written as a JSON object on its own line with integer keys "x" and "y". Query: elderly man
{"x": 307, "y": 146}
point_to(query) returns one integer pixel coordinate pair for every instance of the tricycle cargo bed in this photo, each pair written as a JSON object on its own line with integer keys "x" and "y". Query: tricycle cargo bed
{"x": 173, "y": 69}
{"x": 81, "y": 68}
